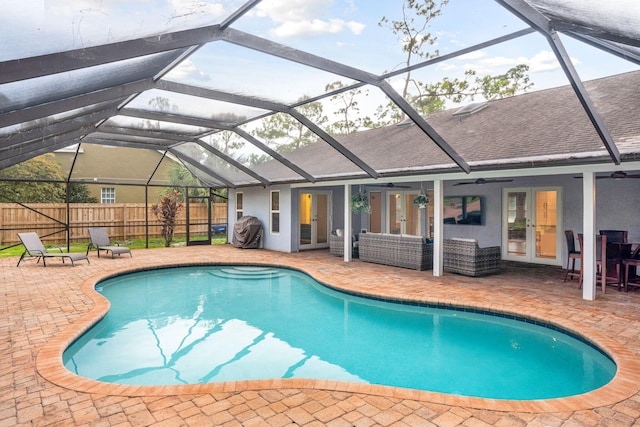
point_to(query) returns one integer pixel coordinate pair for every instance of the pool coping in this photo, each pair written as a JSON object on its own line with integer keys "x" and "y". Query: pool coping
{"x": 624, "y": 384}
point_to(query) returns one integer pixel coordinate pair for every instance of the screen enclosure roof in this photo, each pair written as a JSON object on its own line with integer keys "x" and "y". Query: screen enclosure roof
{"x": 229, "y": 88}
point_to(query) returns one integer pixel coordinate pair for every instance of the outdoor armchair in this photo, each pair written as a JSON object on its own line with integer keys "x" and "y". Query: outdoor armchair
{"x": 464, "y": 256}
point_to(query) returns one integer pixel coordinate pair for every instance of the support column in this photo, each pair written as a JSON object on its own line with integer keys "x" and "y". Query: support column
{"x": 347, "y": 223}
{"x": 588, "y": 236}
{"x": 438, "y": 227}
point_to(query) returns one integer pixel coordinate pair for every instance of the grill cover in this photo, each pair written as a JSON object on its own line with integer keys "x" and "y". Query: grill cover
{"x": 247, "y": 232}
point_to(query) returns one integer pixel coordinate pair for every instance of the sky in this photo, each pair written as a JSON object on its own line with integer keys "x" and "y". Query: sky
{"x": 346, "y": 31}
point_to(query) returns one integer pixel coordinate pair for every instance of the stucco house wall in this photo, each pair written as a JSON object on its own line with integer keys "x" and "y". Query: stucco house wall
{"x": 618, "y": 207}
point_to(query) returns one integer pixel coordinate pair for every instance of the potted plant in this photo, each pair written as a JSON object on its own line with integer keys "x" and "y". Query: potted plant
{"x": 360, "y": 203}
{"x": 421, "y": 201}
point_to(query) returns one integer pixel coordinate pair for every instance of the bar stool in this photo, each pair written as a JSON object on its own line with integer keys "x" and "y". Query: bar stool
{"x": 572, "y": 256}
{"x": 629, "y": 263}
{"x": 633, "y": 261}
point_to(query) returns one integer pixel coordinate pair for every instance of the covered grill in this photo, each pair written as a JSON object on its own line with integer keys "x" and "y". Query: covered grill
{"x": 247, "y": 232}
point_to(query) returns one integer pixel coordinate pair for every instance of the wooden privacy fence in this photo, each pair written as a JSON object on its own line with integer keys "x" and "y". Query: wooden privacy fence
{"x": 124, "y": 220}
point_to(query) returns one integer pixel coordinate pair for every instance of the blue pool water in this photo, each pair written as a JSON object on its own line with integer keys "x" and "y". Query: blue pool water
{"x": 225, "y": 323}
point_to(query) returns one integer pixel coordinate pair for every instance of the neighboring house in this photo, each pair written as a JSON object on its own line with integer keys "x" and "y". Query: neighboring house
{"x": 539, "y": 144}
{"x": 106, "y": 168}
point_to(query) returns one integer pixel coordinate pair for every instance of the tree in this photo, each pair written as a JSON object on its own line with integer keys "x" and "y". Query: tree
{"x": 180, "y": 177}
{"x": 412, "y": 30}
{"x": 255, "y": 159}
{"x": 226, "y": 141}
{"x": 79, "y": 193}
{"x": 167, "y": 210}
{"x": 161, "y": 104}
{"x": 285, "y": 133}
{"x": 508, "y": 84}
{"x": 348, "y": 109}
{"x": 39, "y": 168}
{"x": 431, "y": 98}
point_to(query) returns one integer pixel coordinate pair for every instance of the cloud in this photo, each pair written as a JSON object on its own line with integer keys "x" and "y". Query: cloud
{"x": 446, "y": 66}
{"x": 315, "y": 27}
{"x": 543, "y": 61}
{"x": 304, "y": 18}
{"x": 188, "y": 71}
{"x": 473, "y": 56}
{"x": 293, "y": 10}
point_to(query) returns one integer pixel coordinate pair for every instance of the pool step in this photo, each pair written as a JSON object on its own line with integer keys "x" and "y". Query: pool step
{"x": 247, "y": 273}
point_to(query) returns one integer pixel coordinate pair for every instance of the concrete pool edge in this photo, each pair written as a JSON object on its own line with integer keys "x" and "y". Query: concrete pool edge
{"x": 624, "y": 384}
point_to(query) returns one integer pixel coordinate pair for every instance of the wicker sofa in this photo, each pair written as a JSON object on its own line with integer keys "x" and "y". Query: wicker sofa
{"x": 396, "y": 250}
{"x": 464, "y": 256}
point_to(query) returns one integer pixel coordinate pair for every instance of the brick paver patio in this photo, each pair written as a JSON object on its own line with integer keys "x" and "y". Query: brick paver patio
{"x": 43, "y": 309}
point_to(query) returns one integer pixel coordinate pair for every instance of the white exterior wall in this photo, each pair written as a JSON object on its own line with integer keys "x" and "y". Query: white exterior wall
{"x": 256, "y": 203}
{"x": 617, "y": 208}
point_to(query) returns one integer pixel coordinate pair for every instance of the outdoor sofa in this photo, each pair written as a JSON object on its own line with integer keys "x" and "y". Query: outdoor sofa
{"x": 399, "y": 250}
{"x": 464, "y": 256}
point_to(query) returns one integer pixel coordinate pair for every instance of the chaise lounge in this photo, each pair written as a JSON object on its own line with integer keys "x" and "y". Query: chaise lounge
{"x": 34, "y": 248}
{"x": 100, "y": 240}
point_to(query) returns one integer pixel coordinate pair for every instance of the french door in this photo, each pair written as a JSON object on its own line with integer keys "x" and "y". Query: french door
{"x": 314, "y": 223}
{"x": 531, "y": 230}
{"x": 403, "y": 217}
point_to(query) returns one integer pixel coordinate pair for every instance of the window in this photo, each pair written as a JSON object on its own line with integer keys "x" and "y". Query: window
{"x": 108, "y": 195}
{"x": 239, "y": 209}
{"x": 275, "y": 212}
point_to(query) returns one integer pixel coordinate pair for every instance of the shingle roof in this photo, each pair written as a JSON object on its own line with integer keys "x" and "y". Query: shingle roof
{"x": 547, "y": 127}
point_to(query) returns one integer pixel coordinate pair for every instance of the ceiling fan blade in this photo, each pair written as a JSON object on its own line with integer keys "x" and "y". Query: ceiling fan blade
{"x": 598, "y": 177}
{"x": 614, "y": 175}
{"x": 481, "y": 181}
{"x": 389, "y": 185}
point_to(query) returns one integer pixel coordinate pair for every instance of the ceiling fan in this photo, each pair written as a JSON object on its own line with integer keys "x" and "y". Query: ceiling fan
{"x": 615, "y": 175}
{"x": 389, "y": 185}
{"x": 481, "y": 181}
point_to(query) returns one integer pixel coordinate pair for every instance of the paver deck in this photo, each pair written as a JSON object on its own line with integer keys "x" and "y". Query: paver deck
{"x": 44, "y": 309}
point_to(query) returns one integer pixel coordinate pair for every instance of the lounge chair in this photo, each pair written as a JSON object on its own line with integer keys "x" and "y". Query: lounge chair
{"x": 100, "y": 241}
{"x": 34, "y": 248}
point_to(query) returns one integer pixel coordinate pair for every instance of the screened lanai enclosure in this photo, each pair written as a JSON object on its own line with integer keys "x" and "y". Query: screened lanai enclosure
{"x": 231, "y": 90}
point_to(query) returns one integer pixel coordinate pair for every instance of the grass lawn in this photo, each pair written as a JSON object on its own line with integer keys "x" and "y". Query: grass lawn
{"x": 132, "y": 244}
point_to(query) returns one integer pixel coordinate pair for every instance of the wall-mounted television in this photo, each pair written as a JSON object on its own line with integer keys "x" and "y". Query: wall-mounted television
{"x": 463, "y": 210}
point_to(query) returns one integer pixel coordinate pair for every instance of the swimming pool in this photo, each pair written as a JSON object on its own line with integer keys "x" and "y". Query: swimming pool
{"x": 227, "y": 323}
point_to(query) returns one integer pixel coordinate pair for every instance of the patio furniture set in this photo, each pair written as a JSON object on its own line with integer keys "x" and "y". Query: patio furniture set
{"x": 461, "y": 256}
{"x": 616, "y": 259}
{"x": 34, "y": 248}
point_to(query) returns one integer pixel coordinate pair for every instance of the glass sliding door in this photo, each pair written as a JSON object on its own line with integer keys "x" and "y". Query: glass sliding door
{"x": 314, "y": 223}
{"x": 531, "y": 225}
